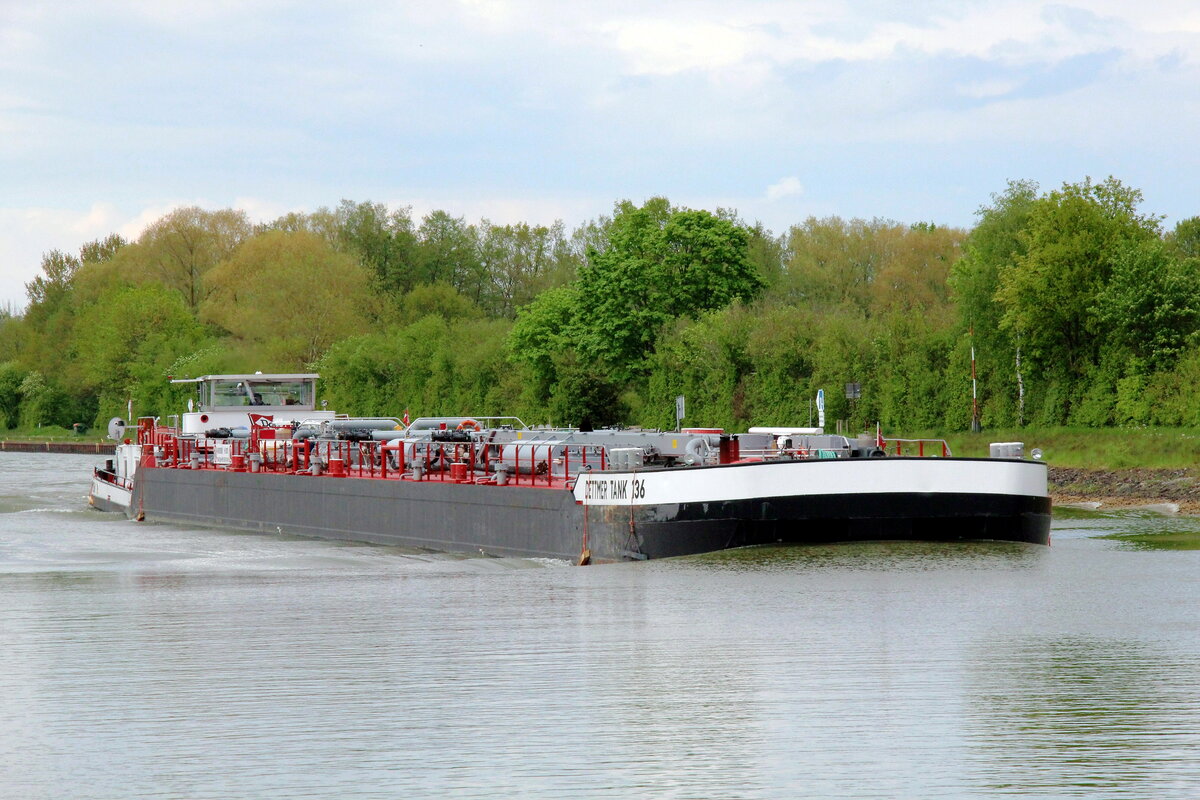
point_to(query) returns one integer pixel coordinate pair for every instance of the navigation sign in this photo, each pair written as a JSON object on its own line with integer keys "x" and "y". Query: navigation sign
{"x": 820, "y": 408}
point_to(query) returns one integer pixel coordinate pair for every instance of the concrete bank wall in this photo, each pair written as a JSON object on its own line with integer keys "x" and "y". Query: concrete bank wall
{"x": 57, "y": 447}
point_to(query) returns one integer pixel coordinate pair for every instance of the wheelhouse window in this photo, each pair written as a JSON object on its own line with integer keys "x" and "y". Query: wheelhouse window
{"x": 226, "y": 394}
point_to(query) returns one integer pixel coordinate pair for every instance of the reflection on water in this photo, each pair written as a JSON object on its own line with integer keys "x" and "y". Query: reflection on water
{"x": 1159, "y": 540}
{"x": 1135, "y": 529}
{"x": 1087, "y": 712}
{"x": 162, "y": 661}
{"x": 868, "y": 556}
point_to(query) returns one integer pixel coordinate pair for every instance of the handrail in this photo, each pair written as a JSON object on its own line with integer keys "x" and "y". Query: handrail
{"x": 526, "y": 463}
{"x": 425, "y": 423}
{"x": 477, "y": 461}
{"x": 796, "y": 453}
{"x": 942, "y": 445}
{"x": 119, "y": 481}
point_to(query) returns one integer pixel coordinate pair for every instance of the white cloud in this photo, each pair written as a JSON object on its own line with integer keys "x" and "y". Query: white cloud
{"x": 501, "y": 209}
{"x": 492, "y": 11}
{"x": 262, "y": 210}
{"x": 981, "y": 90}
{"x": 132, "y": 227}
{"x": 714, "y": 39}
{"x": 29, "y": 233}
{"x": 667, "y": 47}
{"x": 785, "y": 187}
{"x": 534, "y": 110}
{"x": 188, "y": 14}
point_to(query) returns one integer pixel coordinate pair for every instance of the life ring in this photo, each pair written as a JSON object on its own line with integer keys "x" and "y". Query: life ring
{"x": 469, "y": 423}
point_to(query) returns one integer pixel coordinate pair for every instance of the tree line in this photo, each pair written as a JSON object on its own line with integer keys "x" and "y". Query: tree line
{"x": 1079, "y": 307}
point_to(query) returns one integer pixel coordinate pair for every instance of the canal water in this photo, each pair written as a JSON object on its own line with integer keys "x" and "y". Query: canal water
{"x": 157, "y": 661}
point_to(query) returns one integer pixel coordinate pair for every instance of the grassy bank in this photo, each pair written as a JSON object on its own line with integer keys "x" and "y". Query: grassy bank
{"x": 53, "y": 433}
{"x": 1104, "y": 449}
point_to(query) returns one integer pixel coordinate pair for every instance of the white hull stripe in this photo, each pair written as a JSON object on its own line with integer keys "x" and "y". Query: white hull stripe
{"x": 800, "y": 478}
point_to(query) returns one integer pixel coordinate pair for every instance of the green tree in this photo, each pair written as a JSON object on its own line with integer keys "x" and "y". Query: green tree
{"x": 385, "y": 242}
{"x": 832, "y": 263}
{"x": 11, "y": 378}
{"x": 780, "y": 345}
{"x": 913, "y": 275}
{"x": 990, "y": 251}
{"x": 179, "y": 249}
{"x": 1151, "y": 305}
{"x": 874, "y": 267}
{"x": 544, "y": 329}
{"x": 42, "y": 402}
{"x": 431, "y": 367}
{"x": 291, "y": 293}
{"x": 50, "y": 317}
{"x": 521, "y": 261}
{"x": 584, "y": 394}
{"x": 449, "y": 253}
{"x": 1049, "y": 294}
{"x": 707, "y": 360}
{"x": 125, "y": 346}
{"x": 101, "y": 268}
{"x": 102, "y": 250}
{"x": 1186, "y": 237}
{"x": 323, "y": 222}
{"x": 11, "y": 335}
{"x": 768, "y": 254}
{"x": 661, "y": 264}
{"x": 436, "y": 299}
{"x": 51, "y": 287}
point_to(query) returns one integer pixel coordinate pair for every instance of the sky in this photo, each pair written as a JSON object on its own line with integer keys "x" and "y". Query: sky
{"x": 112, "y": 113}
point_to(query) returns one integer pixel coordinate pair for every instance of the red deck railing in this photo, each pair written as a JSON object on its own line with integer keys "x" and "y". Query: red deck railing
{"x": 524, "y": 463}
{"x": 530, "y": 463}
{"x": 935, "y": 447}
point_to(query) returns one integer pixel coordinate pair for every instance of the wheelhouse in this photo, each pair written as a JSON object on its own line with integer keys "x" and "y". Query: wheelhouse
{"x": 231, "y": 391}
{"x": 227, "y": 400}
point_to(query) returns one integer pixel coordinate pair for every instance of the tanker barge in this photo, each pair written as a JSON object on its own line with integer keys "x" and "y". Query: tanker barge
{"x": 257, "y": 455}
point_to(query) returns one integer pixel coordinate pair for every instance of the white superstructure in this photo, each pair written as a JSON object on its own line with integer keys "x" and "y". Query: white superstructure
{"x": 227, "y": 401}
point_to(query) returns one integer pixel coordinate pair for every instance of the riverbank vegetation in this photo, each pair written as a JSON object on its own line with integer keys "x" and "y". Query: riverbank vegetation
{"x": 1109, "y": 449}
{"x": 1081, "y": 308}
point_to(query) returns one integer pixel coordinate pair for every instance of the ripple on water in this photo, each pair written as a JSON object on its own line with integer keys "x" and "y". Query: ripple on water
{"x": 165, "y": 661}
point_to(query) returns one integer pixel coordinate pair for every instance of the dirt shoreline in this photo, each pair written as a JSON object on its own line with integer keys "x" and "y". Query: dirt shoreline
{"x": 56, "y": 447}
{"x": 1166, "y": 490}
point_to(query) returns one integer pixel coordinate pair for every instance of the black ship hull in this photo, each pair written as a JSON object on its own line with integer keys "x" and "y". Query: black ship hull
{"x": 837, "y": 518}
{"x": 551, "y": 523}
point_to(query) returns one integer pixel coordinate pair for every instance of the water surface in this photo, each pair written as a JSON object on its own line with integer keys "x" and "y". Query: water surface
{"x": 158, "y": 661}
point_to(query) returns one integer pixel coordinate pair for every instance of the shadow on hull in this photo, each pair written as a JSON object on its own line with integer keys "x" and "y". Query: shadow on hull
{"x": 854, "y": 518}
